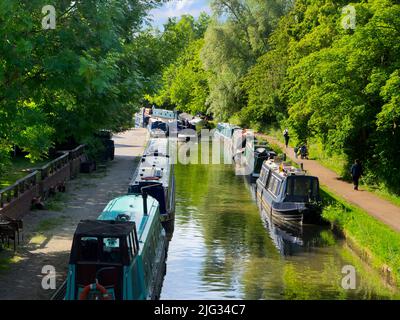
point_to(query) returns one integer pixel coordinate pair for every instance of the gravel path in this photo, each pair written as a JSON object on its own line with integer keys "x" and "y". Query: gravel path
{"x": 48, "y": 234}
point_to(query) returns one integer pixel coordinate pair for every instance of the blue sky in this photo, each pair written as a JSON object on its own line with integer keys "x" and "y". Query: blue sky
{"x": 176, "y": 8}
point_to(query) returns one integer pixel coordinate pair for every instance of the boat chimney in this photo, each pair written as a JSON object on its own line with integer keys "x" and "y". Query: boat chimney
{"x": 145, "y": 210}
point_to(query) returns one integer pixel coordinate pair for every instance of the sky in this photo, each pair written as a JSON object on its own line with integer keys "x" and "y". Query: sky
{"x": 176, "y": 8}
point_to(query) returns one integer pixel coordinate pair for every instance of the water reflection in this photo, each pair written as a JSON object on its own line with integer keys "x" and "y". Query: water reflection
{"x": 224, "y": 249}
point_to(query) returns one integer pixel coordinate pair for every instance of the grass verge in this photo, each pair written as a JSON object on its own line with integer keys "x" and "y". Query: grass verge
{"x": 56, "y": 202}
{"x": 50, "y": 224}
{"x": 375, "y": 242}
{"x": 18, "y": 169}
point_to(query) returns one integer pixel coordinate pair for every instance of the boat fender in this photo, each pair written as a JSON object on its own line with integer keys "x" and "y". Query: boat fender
{"x": 95, "y": 286}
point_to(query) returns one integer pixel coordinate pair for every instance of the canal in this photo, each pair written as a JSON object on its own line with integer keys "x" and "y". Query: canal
{"x": 223, "y": 249}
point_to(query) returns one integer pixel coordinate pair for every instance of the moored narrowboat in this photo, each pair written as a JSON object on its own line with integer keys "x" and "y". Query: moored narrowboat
{"x": 120, "y": 256}
{"x": 157, "y": 170}
{"x": 253, "y": 156}
{"x": 287, "y": 193}
{"x": 226, "y": 130}
{"x": 157, "y": 147}
{"x": 227, "y": 133}
{"x": 158, "y": 129}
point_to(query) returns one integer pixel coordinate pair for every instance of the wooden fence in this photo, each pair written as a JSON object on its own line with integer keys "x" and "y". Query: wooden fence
{"x": 16, "y": 200}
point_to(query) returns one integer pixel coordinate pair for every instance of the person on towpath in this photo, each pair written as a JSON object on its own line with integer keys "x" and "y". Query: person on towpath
{"x": 286, "y": 136}
{"x": 356, "y": 173}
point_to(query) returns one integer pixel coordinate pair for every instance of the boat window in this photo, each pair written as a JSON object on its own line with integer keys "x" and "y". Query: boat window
{"x": 273, "y": 185}
{"x": 265, "y": 176}
{"x": 111, "y": 250}
{"x": 159, "y": 125}
{"x": 262, "y": 174}
{"x": 277, "y": 187}
{"x": 301, "y": 188}
{"x": 88, "y": 249}
{"x": 129, "y": 241}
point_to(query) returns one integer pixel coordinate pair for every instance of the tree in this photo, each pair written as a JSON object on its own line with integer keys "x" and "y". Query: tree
{"x": 233, "y": 42}
{"x": 65, "y": 84}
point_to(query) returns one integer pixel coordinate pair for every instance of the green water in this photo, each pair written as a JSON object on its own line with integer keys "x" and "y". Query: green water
{"x": 222, "y": 248}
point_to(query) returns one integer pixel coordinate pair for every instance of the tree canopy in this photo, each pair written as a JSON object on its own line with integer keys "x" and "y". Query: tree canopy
{"x": 328, "y": 71}
{"x": 64, "y": 84}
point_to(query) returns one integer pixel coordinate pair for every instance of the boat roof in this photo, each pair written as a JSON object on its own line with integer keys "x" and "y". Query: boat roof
{"x": 160, "y": 113}
{"x": 190, "y": 118}
{"x": 228, "y": 125}
{"x": 157, "y": 146}
{"x": 152, "y": 169}
{"x": 186, "y": 116}
{"x": 101, "y": 228}
{"x": 132, "y": 207}
{"x": 283, "y": 169}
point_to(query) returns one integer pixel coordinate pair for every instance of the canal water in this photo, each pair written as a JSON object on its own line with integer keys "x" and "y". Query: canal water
{"x": 222, "y": 248}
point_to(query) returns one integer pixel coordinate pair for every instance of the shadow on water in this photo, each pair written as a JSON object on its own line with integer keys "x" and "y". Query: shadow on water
{"x": 223, "y": 248}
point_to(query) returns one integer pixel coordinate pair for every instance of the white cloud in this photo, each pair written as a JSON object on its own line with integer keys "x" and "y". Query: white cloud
{"x": 176, "y": 8}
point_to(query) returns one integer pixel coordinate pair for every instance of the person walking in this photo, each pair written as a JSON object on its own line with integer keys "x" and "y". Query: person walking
{"x": 286, "y": 136}
{"x": 356, "y": 173}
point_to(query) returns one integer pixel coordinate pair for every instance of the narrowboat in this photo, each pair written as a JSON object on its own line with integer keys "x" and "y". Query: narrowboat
{"x": 121, "y": 255}
{"x": 287, "y": 193}
{"x": 226, "y": 131}
{"x": 157, "y": 147}
{"x": 167, "y": 115}
{"x": 157, "y": 170}
{"x": 158, "y": 129}
{"x": 253, "y": 156}
{"x": 174, "y": 127}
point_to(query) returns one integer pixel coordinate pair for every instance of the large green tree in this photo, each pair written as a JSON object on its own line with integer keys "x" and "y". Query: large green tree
{"x": 233, "y": 42}
{"x": 66, "y": 83}
{"x": 184, "y": 83}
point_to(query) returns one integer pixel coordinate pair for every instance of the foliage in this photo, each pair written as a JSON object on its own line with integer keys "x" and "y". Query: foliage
{"x": 67, "y": 83}
{"x": 184, "y": 83}
{"x": 234, "y": 40}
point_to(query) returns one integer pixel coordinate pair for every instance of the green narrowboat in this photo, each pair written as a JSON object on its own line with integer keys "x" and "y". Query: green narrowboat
{"x": 120, "y": 256}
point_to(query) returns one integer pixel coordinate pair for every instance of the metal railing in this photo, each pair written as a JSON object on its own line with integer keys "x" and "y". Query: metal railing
{"x": 54, "y": 166}
{"x": 12, "y": 192}
{"x": 19, "y": 187}
{"x": 77, "y": 152}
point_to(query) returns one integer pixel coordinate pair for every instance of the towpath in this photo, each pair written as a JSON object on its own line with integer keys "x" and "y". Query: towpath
{"x": 381, "y": 209}
{"x": 48, "y": 234}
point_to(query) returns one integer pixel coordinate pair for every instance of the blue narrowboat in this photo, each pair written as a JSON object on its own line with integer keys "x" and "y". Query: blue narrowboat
{"x": 226, "y": 130}
{"x": 120, "y": 256}
{"x": 228, "y": 133}
{"x": 157, "y": 170}
{"x": 287, "y": 193}
{"x": 164, "y": 114}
